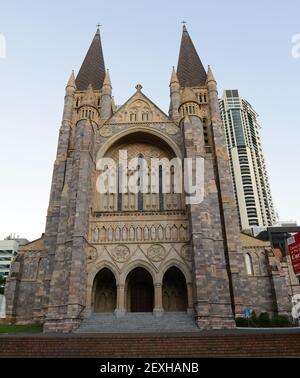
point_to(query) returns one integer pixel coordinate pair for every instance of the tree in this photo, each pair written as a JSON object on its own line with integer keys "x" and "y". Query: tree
{"x": 2, "y": 284}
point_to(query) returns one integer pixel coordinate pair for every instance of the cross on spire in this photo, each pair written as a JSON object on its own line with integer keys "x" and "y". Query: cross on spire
{"x": 98, "y": 26}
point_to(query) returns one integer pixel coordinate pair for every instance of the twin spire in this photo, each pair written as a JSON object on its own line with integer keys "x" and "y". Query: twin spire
{"x": 92, "y": 70}
{"x": 190, "y": 70}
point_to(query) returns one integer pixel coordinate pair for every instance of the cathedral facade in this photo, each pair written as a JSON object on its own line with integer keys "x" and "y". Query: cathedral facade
{"x": 145, "y": 252}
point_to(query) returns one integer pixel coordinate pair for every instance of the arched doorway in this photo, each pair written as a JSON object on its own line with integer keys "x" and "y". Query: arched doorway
{"x": 105, "y": 292}
{"x": 175, "y": 297}
{"x": 140, "y": 291}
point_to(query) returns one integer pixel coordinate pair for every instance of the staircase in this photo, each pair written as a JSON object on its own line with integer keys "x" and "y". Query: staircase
{"x": 206, "y": 344}
{"x": 139, "y": 323}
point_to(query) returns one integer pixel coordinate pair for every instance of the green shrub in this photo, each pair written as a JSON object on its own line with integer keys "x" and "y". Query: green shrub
{"x": 242, "y": 322}
{"x": 13, "y": 329}
{"x": 264, "y": 320}
{"x": 280, "y": 321}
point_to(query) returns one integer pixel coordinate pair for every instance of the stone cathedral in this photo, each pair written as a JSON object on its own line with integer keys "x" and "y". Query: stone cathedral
{"x": 143, "y": 253}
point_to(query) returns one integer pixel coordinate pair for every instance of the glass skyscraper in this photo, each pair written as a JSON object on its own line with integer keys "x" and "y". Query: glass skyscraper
{"x": 248, "y": 168}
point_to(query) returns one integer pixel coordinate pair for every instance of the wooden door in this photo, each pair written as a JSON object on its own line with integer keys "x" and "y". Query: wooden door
{"x": 141, "y": 297}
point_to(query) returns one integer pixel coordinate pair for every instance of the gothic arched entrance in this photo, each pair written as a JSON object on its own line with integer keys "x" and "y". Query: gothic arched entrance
{"x": 140, "y": 291}
{"x": 105, "y": 292}
{"x": 175, "y": 296}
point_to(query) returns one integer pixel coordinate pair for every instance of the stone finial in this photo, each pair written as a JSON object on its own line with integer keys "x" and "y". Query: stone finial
{"x": 139, "y": 87}
{"x": 90, "y": 88}
{"x": 107, "y": 80}
{"x": 210, "y": 75}
{"x": 113, "y": 104}
{"x": 71, "y": 82}
{"x": 174, "y": 78}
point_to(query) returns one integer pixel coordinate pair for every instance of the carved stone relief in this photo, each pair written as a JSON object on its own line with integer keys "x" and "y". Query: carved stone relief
{"x": 120, "y": 253}
{"x": 186, "y": 252}
{"x": 156, "y": 253}
{"x": 92, "y": 255}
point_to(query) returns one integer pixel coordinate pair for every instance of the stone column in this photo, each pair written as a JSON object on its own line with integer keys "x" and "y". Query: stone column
{"x": 175, "y": 97}
{"x": 190, "y": 298}
{"x": 106, "y": 101}
{"x": 12, "y": 292}
{"x": 211, "y": 288}
{"x": 158, "y": 305}
{"x": 120, "y": 310}
{"x": 229, "y": 212}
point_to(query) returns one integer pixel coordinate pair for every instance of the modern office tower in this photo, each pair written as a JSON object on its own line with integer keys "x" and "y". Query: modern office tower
{"x": 8, "y": 251}
{"x": 248, "y": 167}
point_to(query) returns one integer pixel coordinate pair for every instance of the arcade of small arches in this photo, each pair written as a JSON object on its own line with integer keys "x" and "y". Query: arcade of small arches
{"x": 141, "y": 291}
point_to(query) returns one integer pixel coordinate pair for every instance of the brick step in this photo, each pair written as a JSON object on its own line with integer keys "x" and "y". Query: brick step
{"x": 259, "y": 345}
{"x": 139, "y": 322}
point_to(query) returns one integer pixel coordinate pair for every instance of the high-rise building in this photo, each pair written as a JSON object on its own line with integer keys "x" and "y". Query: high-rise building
{"x": 8, "y": 251}
{"x": 247, "y": 162}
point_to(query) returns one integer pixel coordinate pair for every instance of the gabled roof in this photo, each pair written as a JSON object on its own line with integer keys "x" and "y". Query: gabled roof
{"x": 250, "y": 242}
{"x": 35, "y": 246}
{"x": 138, "y": 95}
{"x": 92, "y": 70}
{"x": 190, "y": 70}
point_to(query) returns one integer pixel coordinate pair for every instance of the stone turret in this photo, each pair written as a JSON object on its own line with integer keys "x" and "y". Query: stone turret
{"x": 213, "y": 96}
{"x": 212, "y": 306}
{"x": 69, "y": 99}
{"x": 175, "y": 96}
{"x": 106, "y": 99}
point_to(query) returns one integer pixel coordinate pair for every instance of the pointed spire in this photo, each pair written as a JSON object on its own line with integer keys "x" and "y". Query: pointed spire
{"x": 71, "y": 82}
{"x": 210, "y": 75}
{"x": 107, "y": 80}
{"x": 174, "y": 77}
{"x": 92, "y": 70}
{"x": 190, "y": 69}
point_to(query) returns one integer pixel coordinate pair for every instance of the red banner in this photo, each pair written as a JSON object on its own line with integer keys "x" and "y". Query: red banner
{"x": 294, "y": 248}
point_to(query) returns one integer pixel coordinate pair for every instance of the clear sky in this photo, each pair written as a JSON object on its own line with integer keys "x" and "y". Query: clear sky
{"x": 248, "y": 44}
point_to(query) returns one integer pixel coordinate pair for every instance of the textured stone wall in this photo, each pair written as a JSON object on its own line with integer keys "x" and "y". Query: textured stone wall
{"x": 68, "y": 281}
{"x": 211, "y": 284}
{"x": 22, "y": 287}
{"x": 51, "y": 282}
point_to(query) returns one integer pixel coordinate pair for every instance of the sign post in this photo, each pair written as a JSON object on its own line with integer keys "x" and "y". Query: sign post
{"x": 248, "y": 313}
{"x": 294, "y": 249}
